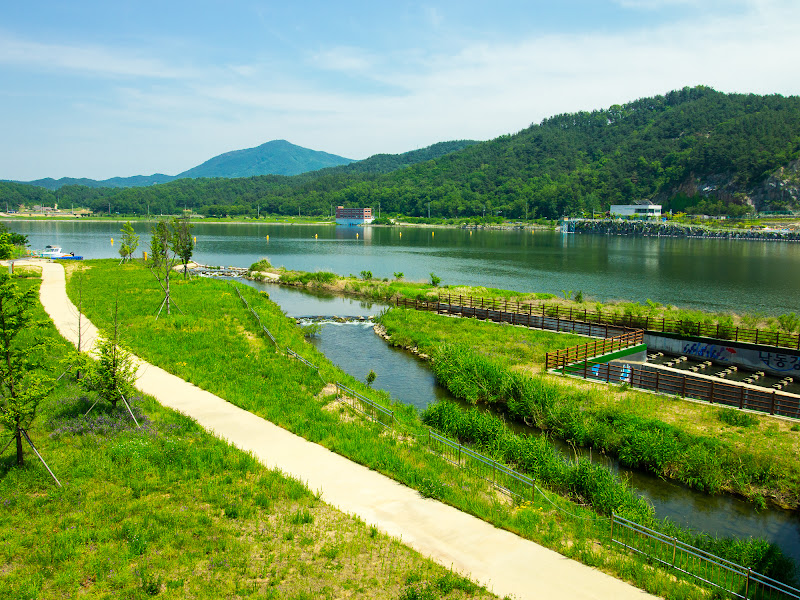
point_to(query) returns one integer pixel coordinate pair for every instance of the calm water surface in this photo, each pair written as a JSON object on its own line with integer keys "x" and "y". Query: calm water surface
{"x": 696, "y": 273}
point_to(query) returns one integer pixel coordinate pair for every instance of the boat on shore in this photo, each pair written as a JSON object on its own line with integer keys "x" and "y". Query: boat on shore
{"x": 55, "y": 252}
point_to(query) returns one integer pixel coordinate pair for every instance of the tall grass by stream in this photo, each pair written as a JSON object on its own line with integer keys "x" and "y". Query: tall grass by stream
{"x": 706, "y": 464}
{"x": 589, "y": 483}
{"x": 215, "y": 344}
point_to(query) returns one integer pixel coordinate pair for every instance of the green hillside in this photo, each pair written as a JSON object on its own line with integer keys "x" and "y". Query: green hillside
{"x": 694, "y": 149}
{"x": 277, "y": 157}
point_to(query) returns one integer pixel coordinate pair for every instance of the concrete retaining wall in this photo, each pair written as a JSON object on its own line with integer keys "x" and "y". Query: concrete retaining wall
{"x": 775, "y": 361}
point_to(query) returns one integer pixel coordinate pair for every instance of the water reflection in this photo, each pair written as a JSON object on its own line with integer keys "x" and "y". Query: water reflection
{"x": 695, "y": 273}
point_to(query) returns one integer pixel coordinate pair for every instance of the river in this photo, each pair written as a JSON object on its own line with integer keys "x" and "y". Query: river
{"x": 707, "y": 274}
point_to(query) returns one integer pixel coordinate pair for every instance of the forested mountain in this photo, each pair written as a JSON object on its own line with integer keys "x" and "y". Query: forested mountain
{"x": 115, "y": 182}
{"x": 693, "y": 149}
{"x": 277, "y": 157}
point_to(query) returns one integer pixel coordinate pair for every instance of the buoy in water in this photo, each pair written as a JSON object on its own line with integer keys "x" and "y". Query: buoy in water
{"x": 267, "y": 238}
{"x": 112, "y": 241}
{"x": 356, "y": 236}
{"x": 315, "y": 236}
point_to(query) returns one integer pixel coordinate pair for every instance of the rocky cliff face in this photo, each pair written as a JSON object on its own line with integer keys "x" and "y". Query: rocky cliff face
{"x": 778, "y": 192}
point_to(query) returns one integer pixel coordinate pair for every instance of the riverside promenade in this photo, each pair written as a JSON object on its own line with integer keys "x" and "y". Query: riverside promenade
{"x": 505, "y": 563}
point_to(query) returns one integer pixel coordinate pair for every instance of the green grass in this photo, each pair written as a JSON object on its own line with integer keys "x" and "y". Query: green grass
{"x": 172, "y": 511}
{"x": 487, "y": 363}
{"x": 505, "y": 344}
{"x": 216, "y": 345}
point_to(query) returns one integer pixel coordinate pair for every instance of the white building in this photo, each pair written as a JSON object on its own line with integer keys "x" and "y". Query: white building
{"x": 642, "y": 211}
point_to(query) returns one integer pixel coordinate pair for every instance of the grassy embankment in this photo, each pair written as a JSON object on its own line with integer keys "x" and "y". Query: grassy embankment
{"x": 381, "y": 289}
{"x": 171, "y": 511}
{"x": 215, "y": 345}
{"x": 708, "y": 448}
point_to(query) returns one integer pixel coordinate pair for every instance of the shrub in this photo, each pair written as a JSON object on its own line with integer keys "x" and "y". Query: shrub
{"x": 435, "y": 281}
{"x": 789, "y": 322}
{"x": 736, "y": 418}
{"x": 261, "y": 265}
{"x": 366, "y": 275}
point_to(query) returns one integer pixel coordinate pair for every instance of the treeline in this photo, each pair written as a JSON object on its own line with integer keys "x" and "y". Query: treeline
{"x": 568, "y": 164}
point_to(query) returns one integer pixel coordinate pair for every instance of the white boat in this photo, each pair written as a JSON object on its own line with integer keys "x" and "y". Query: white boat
{"x": 56, "y": 252}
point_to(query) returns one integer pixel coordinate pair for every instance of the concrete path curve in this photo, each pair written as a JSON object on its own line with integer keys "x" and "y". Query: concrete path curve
{"x": 507, "y": 564}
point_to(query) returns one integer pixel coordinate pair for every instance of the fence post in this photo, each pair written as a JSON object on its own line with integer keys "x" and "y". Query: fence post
{"x": 772, "y": 405}
{"x": 674, "y": 549}
{"x": 756, "y": 336}
{"x": 747, "y": 582}
{"x": 612, "y": 526}
{"x": 683, "y": 389}
{"x": 741, "y": 397}
{"x": 711, "y": 393}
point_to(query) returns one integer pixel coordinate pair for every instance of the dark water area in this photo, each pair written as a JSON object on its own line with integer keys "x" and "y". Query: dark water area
{"x": 707, "y": 274}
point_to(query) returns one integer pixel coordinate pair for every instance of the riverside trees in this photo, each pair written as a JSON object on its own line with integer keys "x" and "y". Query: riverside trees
{"x": 22, "y": 384}
{"x": 169, "y": 243}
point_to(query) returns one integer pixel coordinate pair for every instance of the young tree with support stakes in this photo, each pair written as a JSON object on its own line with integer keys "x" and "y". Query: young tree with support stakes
{"x": 182, "y": 242}
{"x": 163, "y": 259}
{"x": 22, "y": 385}
{"x": 113, "y": 374}
{"x": 130, "y": 242}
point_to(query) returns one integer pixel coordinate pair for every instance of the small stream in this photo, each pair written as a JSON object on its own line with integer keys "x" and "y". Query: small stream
{"x": 356, "y": 349}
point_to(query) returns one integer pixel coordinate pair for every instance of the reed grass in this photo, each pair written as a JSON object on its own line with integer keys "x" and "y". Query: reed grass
{"x": 668, "y": 437}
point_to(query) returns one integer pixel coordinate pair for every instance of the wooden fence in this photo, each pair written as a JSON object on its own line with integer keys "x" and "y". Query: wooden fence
{"x": 682, "y": 327}
{"x": 498, "y": 314}
{"x": 690, "y": 385}
{"x": 567, "y": 356}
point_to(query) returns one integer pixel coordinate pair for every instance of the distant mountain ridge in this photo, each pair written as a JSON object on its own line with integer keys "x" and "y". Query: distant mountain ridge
{"x": 277, "y": 157}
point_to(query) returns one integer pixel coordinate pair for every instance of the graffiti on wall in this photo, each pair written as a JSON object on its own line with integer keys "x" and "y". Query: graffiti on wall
{"x": 710, "y": 351}
{"x": 780, "y": 362}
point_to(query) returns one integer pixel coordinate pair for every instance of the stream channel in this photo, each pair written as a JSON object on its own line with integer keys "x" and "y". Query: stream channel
{"x": 356, "y": 349}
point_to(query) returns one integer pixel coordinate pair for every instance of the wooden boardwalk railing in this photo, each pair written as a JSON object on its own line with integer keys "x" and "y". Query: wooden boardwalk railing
{"x": 720, "y": 331}
{"x": 690, "y": 385}
{"x": 567, "y": 356}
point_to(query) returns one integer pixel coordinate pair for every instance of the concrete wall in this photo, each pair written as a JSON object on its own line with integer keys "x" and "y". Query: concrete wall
{"x": 775, "y": 361}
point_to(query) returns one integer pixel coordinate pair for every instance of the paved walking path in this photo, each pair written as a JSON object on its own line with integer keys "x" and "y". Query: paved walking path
{"x": 504, "y": 562}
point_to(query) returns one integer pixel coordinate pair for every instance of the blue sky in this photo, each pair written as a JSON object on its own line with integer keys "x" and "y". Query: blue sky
{"x": 103, "y": 89}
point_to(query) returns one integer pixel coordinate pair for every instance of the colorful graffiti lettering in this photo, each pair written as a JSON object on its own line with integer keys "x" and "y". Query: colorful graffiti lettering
{"x": 712, "y": 351}
{"x": 780, "y": 362}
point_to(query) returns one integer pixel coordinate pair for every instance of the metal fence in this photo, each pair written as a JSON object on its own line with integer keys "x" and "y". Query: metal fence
{"x": 689, "y": 385}
{"x": 255, "y": 314}
{"x": 362, "y": 404}
{"x": 567, "y": 356}
{"x": 514, "y": 483}
{"x": 683, "y": 327}
{"x": 376, "y": 412}
{"x": 699, "y": 564}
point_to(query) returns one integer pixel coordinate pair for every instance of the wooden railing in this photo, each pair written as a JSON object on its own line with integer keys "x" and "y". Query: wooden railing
{"x": 690, "y": 385}
{"x": 720, "y": 331}
{"x": 496, "y": 312}
{"x": 582, "y": 352}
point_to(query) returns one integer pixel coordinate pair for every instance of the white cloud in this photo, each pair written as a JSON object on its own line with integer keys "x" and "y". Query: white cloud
{"x": 343, "y": 58}
{"x": 87, "y": 59}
